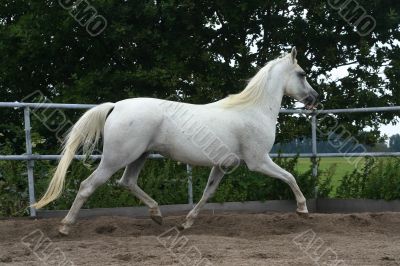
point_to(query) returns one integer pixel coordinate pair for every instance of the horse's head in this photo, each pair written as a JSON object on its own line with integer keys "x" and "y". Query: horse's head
{"x": 297, "y": 85}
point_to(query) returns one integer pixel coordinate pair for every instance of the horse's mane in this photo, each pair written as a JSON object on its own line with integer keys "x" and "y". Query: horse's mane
{"x": 255, "y": 89}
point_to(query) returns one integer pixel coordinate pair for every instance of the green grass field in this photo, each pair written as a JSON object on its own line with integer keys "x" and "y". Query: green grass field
{"x": 342, "y": 166}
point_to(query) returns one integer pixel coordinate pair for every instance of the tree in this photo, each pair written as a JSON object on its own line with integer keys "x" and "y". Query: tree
{"x": 394, "y": 142}
{"x": 204, "y": 50}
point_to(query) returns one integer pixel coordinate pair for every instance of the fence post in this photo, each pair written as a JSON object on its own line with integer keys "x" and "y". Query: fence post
{"x": 314, "y": 150}
{"x": 30, "y": 163}
{"x": 190, "y": 184}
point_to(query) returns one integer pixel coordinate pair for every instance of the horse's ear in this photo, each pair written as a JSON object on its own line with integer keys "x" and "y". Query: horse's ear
{"x": 294, "y": 54}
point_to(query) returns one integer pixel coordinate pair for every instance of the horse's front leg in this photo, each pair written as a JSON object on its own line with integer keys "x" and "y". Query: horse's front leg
{"x": 268, "y": 167}
{"x": 212, "y": 184}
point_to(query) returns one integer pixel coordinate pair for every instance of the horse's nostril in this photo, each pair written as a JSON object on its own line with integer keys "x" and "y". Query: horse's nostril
{"x": 315, "y": 95}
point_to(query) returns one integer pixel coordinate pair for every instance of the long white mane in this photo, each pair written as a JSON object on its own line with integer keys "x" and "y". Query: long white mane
{"x": 255, "y": 89}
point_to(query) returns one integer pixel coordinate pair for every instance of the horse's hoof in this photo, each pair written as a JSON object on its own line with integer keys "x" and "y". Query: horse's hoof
{"x": 186, "y": 225}
{"x": 303, "y": 214}
{"x": 63, "y": 230}
{"x": 157, "y": 218}
{"x": 155, "y": 215}
{"x": 180, "y": 227}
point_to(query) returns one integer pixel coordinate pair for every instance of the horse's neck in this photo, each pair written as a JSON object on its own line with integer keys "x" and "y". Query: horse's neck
{"x": 272, "y": 101}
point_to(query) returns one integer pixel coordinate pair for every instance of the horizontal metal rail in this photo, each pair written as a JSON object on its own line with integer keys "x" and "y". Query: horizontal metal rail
{"x": 46, "y": 105}
{"x": 37, "y": 157}
{"x": 340, "y": 111}
{"x": 283, "y": 111}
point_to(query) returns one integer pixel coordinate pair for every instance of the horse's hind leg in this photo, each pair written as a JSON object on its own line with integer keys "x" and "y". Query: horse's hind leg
{"x": 87, "y": 187}
{"x": 129, "y": 180}
{"x": 213, "y": 181}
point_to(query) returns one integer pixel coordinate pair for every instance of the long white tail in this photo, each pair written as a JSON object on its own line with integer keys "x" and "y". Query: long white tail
{"x": 86, "y": 132}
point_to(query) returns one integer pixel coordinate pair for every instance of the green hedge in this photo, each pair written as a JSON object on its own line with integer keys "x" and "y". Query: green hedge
{"x": 166, "y": 182}
{"x": 378, "y": 179}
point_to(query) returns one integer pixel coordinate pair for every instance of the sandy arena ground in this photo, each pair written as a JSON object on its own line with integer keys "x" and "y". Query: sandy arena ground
{"x": 223, "y": 239}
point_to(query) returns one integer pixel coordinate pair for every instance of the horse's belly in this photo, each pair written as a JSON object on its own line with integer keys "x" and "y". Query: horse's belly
{"x": 198, "y": 147}
{"x": 193, "y": 159}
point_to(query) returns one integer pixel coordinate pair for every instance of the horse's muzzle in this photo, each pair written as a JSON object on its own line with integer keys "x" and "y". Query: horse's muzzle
{"x": 311, "y": 100}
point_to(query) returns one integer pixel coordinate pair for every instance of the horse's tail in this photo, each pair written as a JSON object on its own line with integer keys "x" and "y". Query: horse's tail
{"x": 86, "y": 132}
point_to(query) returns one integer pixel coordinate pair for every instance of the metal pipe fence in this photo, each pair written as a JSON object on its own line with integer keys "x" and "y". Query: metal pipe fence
{"x": 29, "y": 157}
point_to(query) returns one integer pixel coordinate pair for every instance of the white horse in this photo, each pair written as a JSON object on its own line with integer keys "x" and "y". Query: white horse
{"x": 239, "y": 127}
